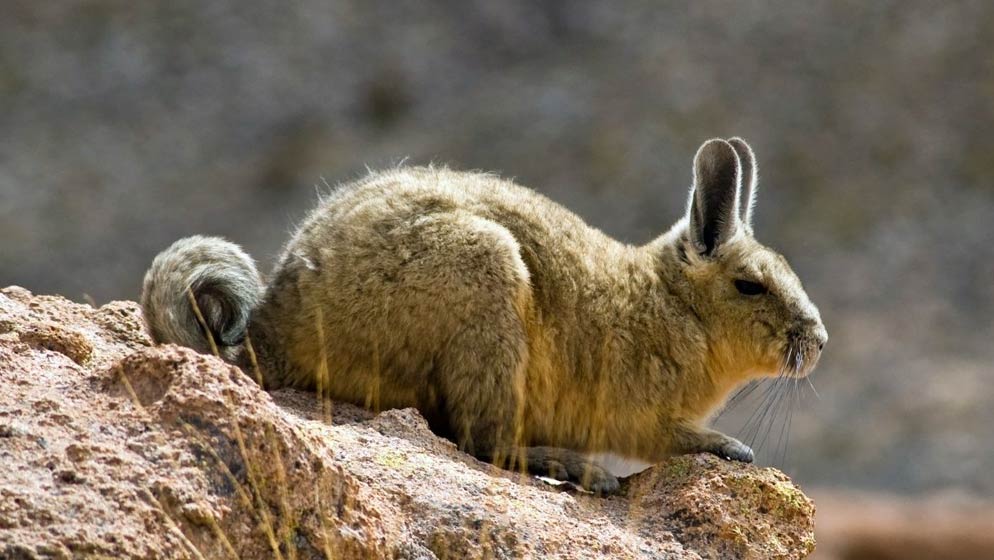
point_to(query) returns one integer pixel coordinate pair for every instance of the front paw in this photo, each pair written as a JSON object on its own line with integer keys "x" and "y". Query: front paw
{"x": 733, "y": 450}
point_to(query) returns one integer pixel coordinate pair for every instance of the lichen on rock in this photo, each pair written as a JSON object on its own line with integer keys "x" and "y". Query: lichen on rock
{"x": 113, "y": 447}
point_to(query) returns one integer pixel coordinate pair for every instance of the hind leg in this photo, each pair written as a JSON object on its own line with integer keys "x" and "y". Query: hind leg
{"x": 483, "y": 370}
{"x": 461, "y": 291}
{"x": 484, "y": 386}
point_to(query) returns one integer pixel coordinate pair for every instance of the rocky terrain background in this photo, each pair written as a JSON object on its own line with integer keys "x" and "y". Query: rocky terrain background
{"x": 127, "y": 125}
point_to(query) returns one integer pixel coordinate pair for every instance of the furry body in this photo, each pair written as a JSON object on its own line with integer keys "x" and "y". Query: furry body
{"x": 513, "y": 326}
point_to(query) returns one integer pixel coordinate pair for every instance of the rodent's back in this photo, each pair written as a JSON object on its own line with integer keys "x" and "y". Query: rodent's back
{"x": 561, "y": 251}
{"x": 406, "y": 194}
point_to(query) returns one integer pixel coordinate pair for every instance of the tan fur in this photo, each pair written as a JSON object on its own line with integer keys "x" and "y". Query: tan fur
{"x": 518, "y": 328}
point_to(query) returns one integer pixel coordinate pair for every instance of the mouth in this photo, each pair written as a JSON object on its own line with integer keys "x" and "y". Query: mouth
{"x": 799, "y": 358}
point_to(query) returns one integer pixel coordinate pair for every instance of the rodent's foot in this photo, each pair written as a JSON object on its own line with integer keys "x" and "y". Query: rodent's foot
{"x": 734, "y": 450}
{"x": 562, "y": 464}
{"x": 694, "y": 439}
{"x": 598, "y": 480}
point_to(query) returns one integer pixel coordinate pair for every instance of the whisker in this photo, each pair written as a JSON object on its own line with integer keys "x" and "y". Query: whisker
{"x": 774, "y": 409}
{"x": 754, "y": 424}
{"x": 744, "y": 392}
{"x": 750, "y": 387}
{"x": 785, "y": 427}
{"x": 740, "y": 396}
{"x": 776, "y": 403}
{"x": 751, "y": 427}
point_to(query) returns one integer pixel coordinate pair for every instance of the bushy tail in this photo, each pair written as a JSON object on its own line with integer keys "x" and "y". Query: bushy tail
{"x": 221, "y": 279}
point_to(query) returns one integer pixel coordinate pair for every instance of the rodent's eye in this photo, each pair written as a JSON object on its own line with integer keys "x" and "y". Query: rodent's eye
{"x": 748, "y": 288}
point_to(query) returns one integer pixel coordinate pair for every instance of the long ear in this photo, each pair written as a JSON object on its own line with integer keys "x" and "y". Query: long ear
{"x": 750, "y": 178}
{"x": 713, "y": 213}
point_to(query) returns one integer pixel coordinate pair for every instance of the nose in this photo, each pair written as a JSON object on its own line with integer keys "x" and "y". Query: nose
{"x": 821, "y": 337}
{"x": 813, "y": 332}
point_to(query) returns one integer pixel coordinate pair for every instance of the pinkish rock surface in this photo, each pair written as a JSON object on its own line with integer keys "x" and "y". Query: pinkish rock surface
{"x": 111, "y": 447}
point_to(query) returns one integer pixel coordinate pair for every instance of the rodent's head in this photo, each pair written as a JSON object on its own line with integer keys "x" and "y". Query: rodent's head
{"x": 758, "y": 319}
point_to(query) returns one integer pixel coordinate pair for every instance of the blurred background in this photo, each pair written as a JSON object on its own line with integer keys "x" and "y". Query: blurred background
{"x": 126, "y": 125}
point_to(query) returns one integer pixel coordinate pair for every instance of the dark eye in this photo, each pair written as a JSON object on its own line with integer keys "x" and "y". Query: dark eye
{"x": 748, "y": 288}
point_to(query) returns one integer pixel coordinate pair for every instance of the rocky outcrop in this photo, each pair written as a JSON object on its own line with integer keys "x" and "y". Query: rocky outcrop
{"x": 112, "y": 447}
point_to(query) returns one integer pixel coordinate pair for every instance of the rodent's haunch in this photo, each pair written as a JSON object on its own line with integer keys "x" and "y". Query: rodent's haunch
{"x": 527, "y": 336}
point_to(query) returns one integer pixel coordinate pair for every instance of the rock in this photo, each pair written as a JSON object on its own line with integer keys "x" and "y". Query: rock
{"x": 113, "y": 447}
{"x": 722, "y": 510}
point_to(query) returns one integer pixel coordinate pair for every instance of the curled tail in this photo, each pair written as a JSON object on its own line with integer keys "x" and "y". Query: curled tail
{"x": 224, "y": 283}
